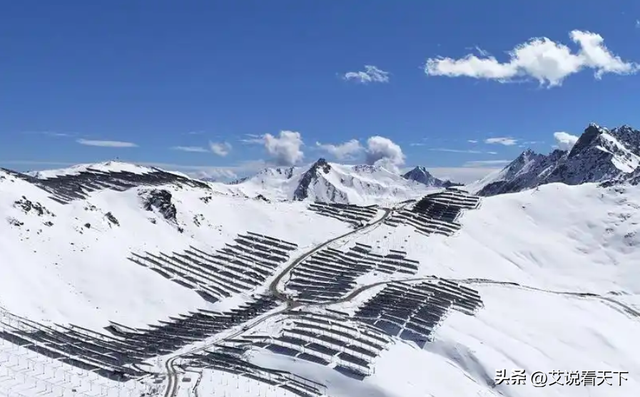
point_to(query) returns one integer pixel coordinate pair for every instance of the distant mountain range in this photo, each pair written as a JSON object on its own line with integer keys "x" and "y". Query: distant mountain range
{"x": 600, "y": 155}
{"x": 339, "y": 183}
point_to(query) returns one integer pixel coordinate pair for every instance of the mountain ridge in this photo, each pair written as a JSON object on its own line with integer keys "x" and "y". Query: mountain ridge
{"x": 600, "y": 155}
{"x": 332, "y": 182}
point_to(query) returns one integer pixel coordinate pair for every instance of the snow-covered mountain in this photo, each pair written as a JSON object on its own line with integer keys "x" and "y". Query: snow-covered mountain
{"x": 599, "y": 155}
{"x": 421, "y": 175}
{"x": 120, "y": 280}
{"x": 331, "y": 182}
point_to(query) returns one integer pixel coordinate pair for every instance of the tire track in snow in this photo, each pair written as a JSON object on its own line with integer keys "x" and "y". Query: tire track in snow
{"x": 589, "y": 295}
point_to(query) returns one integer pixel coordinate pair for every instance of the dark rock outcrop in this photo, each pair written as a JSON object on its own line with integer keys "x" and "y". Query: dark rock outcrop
{"x": 309, "y": 178}
{"x": 160, "y": 201}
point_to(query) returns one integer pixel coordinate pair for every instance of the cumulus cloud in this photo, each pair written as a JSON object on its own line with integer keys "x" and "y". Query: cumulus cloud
{"x": 564, "y": 140}
{"x": 192, "y": 149}
{"x": 343, "y": 151}
{"x": 501, "y": 140}
{"x": 384, "y": 152}
{"x": 285, "y": 149}
{"x": 112, "y": 144}
{"x": 540, "y": 59}
{"x": 486, "y": 163}
{"x": 220, "y": 148}
{"x": 371, "y": 74}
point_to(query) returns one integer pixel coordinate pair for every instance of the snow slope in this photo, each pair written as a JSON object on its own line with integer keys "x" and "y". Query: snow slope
{"x": 331, "y": 182}
{"x": 585, "y": 243}
{"x": 558, "y": 282}
{"x": 107, "y": 166}
{"x": 80, "y": 267}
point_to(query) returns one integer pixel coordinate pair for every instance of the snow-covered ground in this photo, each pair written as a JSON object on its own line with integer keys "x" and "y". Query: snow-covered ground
{"x": 331, "y": 182}
{"x": 554, "y": 242}
{"x": 71, "y": 272}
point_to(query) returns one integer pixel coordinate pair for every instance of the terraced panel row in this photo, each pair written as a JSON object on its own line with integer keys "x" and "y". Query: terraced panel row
{"x": 413, "y": 311}
{"x": 330, "y": 274}
{"x": 326, "y": 339}
{"x": 121, "y": 355}
{"x": 436, "y": 213}
{"x": 66, "y": 188}
{"x": 236, "y": 268}
{"x": 352, "y": 214}
{"x": 231, "y": 360}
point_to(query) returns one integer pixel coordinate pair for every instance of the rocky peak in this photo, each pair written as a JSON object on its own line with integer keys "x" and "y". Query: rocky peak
{"x": 322, "y": 165}
{"x": 587, "y": 140}
{"x": 421, "y": 175}
{"x": 599, "y": 155}
{"x": 309, "y": 177}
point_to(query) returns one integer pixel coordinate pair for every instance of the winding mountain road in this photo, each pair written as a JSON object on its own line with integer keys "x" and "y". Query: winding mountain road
{"x": 273, "y": 287}
{"x": 170, "y": 364}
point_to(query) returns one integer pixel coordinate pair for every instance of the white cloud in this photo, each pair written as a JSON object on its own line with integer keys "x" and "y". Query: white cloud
{"x": 220, "y": 148}
{"x": 371, "y": 74}
{"x": 343, "y": 151}
{"x": 564, "y": 140}
{"x": 219, "y": 173}
{"x": 472, "y": 141}
{"x": 193, "y": 149}
{"x": 485, "y": 163}
{"x": 253, "y": 139}
{"x": 112, "y": 144}
{"x": 540, "y": 59}
{"x": 285, "y": 149}
{"x": 384, "y": 152}
{"x": 501, "y": 140}
{"x": 462, "y": 174}
{"x": 49, "y": 133}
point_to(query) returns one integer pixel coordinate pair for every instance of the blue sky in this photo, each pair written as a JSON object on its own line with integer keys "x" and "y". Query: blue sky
{"x": 210, "y": 86}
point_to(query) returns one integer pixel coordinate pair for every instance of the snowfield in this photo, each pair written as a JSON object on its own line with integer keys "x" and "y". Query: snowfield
{"x": 555, "y": 269}
{"x": 81, "y": 275}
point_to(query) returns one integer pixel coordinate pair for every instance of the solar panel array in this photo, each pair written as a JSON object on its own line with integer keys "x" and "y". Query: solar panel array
{"x": 348, "y": 346}
{"x": 231, "y": 360}
{"x": 66, "y": 188}
{"x": 351, "y": 343}
{"x": 349, "y": 213}
{"x": 120, "y": 355}
{"x": 436, "y": 213}
{"x": 235, "y": 268}
{"x": 330, "y": 274}
{"x": 413, "y": 311}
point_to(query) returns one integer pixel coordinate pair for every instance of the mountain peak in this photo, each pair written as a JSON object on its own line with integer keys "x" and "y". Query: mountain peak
{"x": 421, "y": 175}
{"x": 106, "y": 167}
{"x": 321, "y": 164}
{"x": 598, "y": 155}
